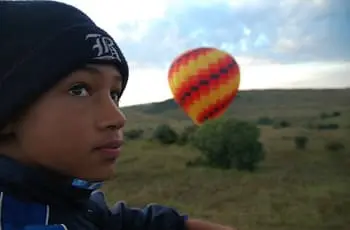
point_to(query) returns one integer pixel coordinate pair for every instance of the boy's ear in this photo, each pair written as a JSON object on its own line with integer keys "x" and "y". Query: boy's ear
{"x": 7, "y": 135}
{"x": 12, "y": 128}
{"x": 8, "y": 129}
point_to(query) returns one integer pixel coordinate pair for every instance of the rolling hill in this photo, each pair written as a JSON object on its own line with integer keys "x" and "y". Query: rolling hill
{"x": 279, "y": 104}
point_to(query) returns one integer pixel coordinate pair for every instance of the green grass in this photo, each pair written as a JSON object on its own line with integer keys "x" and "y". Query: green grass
{"x": 292, "y": 190}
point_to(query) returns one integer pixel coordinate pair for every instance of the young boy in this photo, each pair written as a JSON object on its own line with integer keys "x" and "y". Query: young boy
{"x": 61, "y": 79}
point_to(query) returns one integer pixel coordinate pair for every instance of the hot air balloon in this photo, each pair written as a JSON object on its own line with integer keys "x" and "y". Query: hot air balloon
{"x": 204, "y": 81}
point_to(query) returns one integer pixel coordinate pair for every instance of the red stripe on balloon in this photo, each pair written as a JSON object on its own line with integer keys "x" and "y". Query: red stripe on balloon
{"x": 204, "y": 89}
{"x": 202, "y": 74}
{"x": 186, "y": 58}
{"x": 217, "y": 109}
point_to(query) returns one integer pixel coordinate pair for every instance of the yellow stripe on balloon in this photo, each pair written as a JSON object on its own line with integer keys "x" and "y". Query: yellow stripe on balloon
{"x": 191, "y": 69}
{"x": 213, "y": 97}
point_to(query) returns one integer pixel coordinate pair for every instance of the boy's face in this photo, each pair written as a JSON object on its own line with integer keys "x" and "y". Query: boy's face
{"x": 76, "y": 127}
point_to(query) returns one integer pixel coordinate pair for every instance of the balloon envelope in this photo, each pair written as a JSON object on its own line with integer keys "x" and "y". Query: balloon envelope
{"x": 204, "y": 82}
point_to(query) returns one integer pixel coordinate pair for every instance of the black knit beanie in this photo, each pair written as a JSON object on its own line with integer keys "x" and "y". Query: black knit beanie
{"x": 40, "y": 43}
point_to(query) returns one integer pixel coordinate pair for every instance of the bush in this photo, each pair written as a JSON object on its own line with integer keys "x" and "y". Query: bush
{"x": 196, "y": 162}
{"x": 328, "y": 126}
{"x": 301, "y": 142}
{"x": 186, "y": 134}
{"x": 133, "y": 134}
{"x": 309, "y": 125}
{"x": 282, "y": 124}
{"x": 334, "y": 146}
{"x": 265, "y": 121}
{"x": 326, "y": 115}
{"x": 165, "y": 134}
{"x": 228, "y": 143}
{"x": 336, "y": 114}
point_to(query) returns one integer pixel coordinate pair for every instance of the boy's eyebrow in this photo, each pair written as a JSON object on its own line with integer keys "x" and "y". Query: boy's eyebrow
{"x": 94, "y": 70}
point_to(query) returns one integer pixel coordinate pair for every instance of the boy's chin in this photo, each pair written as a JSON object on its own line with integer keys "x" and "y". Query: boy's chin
{"x": 99, "y": 176}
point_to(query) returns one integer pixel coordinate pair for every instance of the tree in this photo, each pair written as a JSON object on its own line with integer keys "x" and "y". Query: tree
{"x": 301, "y": 142}
{"x": 229, "y": 143}
{"x": 186, "y": 135}
{"x": 165, "y": 134}
{"x": 133, "y": 134}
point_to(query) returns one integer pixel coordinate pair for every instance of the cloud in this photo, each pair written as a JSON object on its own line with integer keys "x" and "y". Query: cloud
{"x": 292, "y": 31}
{"x": 286, "y": 43}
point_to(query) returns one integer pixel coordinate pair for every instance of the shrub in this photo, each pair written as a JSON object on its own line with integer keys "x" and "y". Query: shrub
{"x": 186, "y": 134}
{"x": 265, "y": 121}
{"x": 334, "y": 146}
{"x": 328, "y": 126}
{"x": 282, "y": 124}
{"x": 309, "y": 125}
{"x": 133, "y": 134}
{"x": 228, "y": 143}
{"x": 165, "y": 134}
{"x": 196, "y": 162}
{"x": 301, "y": 142}
{"x": 336, "y": 114}
{"x": 324, "y": 115}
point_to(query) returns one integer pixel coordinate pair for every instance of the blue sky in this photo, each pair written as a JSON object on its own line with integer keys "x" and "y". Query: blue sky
{"x": 277, "y": 43}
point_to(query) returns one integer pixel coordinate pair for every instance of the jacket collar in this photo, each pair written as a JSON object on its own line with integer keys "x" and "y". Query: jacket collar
{"x": 42, "y": 185}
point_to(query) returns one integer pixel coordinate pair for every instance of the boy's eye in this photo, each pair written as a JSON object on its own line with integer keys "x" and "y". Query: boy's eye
{"x": 115, "y": 96}
{"x": 80, "y": 90}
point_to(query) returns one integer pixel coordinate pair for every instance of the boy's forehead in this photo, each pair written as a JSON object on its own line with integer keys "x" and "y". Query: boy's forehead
{"x": 102, "y": 69}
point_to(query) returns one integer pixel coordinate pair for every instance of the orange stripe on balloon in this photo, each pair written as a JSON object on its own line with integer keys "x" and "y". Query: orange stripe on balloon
{"x": 194, "y": 60}
{"x": 224, "y": 63}
{"x": 188, "y": 56}
{"x": 186, "y": 72}
{"x": 184, "y": 59}
{"x": 216, "y": 110}
{"x": 204, "y": 74}
{"x": 186, "y": 67}
{"x": 216, "y": 94}
{"x": 205, "y": 90}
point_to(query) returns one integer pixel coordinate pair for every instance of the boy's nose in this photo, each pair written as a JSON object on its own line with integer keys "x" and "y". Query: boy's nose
{"x": 110, "y": 116}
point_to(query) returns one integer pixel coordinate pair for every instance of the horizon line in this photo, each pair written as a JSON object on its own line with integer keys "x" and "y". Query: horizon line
{"x": 250, "y": 90}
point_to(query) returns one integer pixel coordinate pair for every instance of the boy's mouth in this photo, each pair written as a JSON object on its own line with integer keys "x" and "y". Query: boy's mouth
{"x": 110, "y": 149}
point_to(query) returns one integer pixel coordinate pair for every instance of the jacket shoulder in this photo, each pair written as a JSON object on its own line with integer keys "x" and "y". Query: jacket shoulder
{"x": 19, "y": 214}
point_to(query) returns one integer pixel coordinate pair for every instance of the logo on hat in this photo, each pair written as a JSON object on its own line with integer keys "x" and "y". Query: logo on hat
{"x": 105, "y": 46}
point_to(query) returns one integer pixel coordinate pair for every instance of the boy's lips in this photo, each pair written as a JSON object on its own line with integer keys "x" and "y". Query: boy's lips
{"x": 110, "y": 149}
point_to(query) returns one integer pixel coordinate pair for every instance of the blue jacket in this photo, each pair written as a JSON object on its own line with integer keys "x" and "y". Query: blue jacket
{"x": 35, "y": 199}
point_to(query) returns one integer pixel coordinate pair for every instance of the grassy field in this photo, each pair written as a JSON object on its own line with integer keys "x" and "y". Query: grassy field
{"x": 292, "y": 189}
